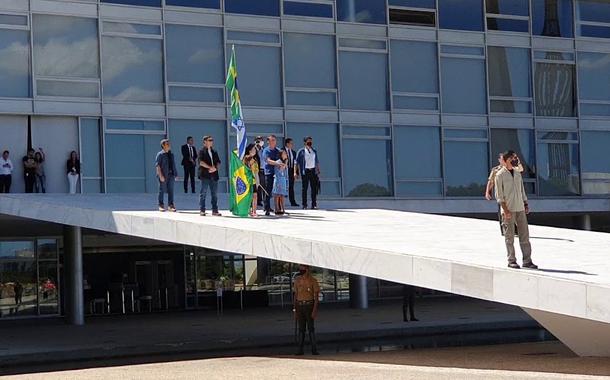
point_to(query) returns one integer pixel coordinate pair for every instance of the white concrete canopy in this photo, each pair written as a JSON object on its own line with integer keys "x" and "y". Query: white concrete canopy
{"x": 456, "y": 255}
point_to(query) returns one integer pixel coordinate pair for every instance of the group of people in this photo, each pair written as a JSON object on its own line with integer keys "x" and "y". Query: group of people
{"x": 275, "y": 171}
{"x": 510, "y": 194}
{"x": 34, "y": 171}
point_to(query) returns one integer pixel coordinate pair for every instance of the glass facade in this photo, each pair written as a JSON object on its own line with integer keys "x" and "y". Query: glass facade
{"x": 452, "y": 82}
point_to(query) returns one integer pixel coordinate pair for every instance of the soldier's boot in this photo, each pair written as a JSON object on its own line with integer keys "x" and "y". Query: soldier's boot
{"x": 300, "y": 350}
{"x": 312, "y": 339}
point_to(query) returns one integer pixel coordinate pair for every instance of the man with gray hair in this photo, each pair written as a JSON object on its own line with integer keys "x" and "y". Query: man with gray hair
{"x": 165, "y": 165}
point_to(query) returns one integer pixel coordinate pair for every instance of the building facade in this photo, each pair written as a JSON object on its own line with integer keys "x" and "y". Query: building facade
{"x": 407, "y": 100}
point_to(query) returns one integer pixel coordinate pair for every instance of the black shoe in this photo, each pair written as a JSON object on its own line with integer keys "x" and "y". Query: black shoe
{"x": 300, "y": 352}
{"x": 530, "y": 266}
{"x": 304, "y": 207}
{"x": 295, "y": 205}
{"x": 413, "y": 319}
{"x": 514, "y": 265}
{"x": 267, "y": 213}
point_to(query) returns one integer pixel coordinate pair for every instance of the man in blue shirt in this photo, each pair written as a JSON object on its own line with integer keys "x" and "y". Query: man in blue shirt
{"x": 270, "y": 155}
{"x": 165, "y": 165}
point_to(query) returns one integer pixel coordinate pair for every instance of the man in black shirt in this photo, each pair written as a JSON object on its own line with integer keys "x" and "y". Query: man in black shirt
{"x": 29, "y": 171}
{"x": 209, "y": 162}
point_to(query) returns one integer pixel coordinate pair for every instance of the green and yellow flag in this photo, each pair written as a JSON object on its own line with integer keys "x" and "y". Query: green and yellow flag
{"x": 242, "y": 182}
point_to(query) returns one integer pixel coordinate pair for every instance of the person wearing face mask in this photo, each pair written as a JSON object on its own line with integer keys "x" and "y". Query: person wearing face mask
{"x": 510, "y": 194}
{"x": 306, "y": 293}
{"x": 308, "y": 167}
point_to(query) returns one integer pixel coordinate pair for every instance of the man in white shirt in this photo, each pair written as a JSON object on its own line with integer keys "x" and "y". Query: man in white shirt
{"x": 308, "y": 167}
{"x": 6, "y": 172}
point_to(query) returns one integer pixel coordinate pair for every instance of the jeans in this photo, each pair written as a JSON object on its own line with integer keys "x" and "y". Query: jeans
{"x": 269, "y": 179}
{"x": 167, "y": 187}
{"x": 39, "y": 185}
{"x": 213, "y": 185}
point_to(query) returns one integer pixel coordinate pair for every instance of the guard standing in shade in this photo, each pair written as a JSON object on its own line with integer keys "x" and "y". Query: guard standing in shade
{"x": 306, "y": 292}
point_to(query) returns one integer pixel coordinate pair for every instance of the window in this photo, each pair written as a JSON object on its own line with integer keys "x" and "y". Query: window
{"x": 507, "y": 15}
{"x": 509, "y": 79}
{"x": 466, "y": 162}
{"x": 409, "y": 12}
{"x": 148, "y": 3}
{"x": 211, "y": 4}
{"x": 132, "y": 62}
{"x": 558, "y": 162}
{"x": 15, "y": 63}
{"x": 594, "y": 76}
{"x": 554, "y": 84}
{"x": 461, "y": 14}
{"x": 293, "y": 8}
{"x": 367, "y": 161}
{"x": 463, "y": 72}
{"x": 195, "y": 63}
{"x": 66, "y": 56}
{"x": 414, "y": 75}
{"x": 593, "y": 18}
{"x": 259, "y": 69}
{"x": 326, "y": 142}
{"x": 358, "y": 91}
{"x": 365, "y": 11}
{"x": 258, "y": 7}
{"x": 595, "y": 166}
{"x": 309, "y": 64}
{"x": 522, "y": 142}
{"x": 417, "y": 161}
{"x": 552, "y": 18}
{"x": 91, "y": 169}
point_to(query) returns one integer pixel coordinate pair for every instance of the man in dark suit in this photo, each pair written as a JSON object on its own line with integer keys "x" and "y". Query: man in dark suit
{"x": 292, "y": 156}
{"x": 189, "y": 162}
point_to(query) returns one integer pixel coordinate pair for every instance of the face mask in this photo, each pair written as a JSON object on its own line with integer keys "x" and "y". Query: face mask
{"x": 514, "y": 162}
{"x": 261, "y": 144}
{"x": 309, "y": 143}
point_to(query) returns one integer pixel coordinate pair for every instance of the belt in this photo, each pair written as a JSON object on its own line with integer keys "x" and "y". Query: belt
{"x": 310, "y": 302}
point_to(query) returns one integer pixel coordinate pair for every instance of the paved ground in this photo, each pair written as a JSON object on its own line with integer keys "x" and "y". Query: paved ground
{"x": 545, "y": 361}
{"x": 455, "y": 319}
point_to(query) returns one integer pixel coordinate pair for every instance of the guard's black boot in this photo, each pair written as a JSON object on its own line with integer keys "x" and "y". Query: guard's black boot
{"x": 314, "y": 347}
{"x": 300, "y": 351}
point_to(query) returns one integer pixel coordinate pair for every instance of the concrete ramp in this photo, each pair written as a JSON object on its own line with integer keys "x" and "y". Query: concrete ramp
{"x": 570, "y": 293}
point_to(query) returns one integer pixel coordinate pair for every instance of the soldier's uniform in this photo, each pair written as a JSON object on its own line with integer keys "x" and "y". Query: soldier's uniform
{"x": 306, "y": 291}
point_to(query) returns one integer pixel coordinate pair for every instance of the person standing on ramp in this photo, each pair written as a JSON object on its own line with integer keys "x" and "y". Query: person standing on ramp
{"x": 306, "y": 292}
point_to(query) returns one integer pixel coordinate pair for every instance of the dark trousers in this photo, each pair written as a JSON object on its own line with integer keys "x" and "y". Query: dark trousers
{"x": 30, "y": 180}
{"x": 212, "y": 184}
{"x": 269, "y": 178}
{"x": 304, "y": 319}
{"x": 189, "y": 174}
{"x": 408, "y": 302}
{"x": 261, "y": 194}
{"x": 5, "y": 183}
{"x": 310, "y": 179}
{"x": 293, "y": 201}
{"x": 167, "y": 187}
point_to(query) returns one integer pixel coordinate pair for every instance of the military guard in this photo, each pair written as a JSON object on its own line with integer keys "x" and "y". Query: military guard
{"x": 306, "y": 292}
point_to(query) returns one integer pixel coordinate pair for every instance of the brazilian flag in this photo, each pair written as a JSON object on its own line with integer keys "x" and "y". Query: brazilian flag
{"x": 241, "y": 185}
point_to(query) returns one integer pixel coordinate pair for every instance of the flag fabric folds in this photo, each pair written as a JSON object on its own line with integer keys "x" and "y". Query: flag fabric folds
{"x": 241, "y": 185}
{"x": 237, "y": 120}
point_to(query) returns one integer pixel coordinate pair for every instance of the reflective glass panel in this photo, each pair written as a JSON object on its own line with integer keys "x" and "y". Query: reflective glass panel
{"x": 135, "y": 125}
{"x": 309, "y": 60}
{"x": 19, "y": 289}
{"x": 554, "y": 89}
{"x": 47, "y": 249}
{"x": 212, "y": 4}
{"x": 463, "y": 50}
{"x": 552, "y": 18}
{"x": 196, "y": 94}
{"x": 308, "y": 98}
{"x": 308, "y": 9}
{"x": 367, "y": 11}
{"x": 594, "y": 76}
{"x": 48, "y": 287}
{"x": 65, "y": 46}
{"x": 122, "y": 27}
{"x": 17, "y": 250}
{"x": 518, "y": 140}
{"x": 595, "y": 166}
{"x": 271, "y": 38}
{"x": 258, "y": 7}
{"x": 360, "y": 91}
{"x": 179, "y": 130}
{"x": 358, "y": 43}
{"x": 415, "y": 102}
{"x": 507, "y": 25}
{"x": 459, "y": 77}
{"x": 419, "y": 155}
{"x": 130, "y": 163}
{"x": 15, "y": 63}
{"x": 194, "y": 54}
{"x": 67, "y": 88}
{"x": 593, "y": 10}
{"x": 466, "y": 168}
{"x": 133, "y": 69}
{"x": 259, "y": 75}
{"x": 90, "y": 148}
{"x": 326, "y": 141}
{"x": 595, "y": 31}
{"x": 418, "y": 188}
{"x": 370, "y": 174}
{"x": 414, "y": 3}
{"x": 509, "y": 72}
{"x": 595, "y": 109}
{"x": 148, "y": 3}
{"x": 461, "y": 14}
{"x": 558, "y": 169}
{"x": 414, "y": 66}
{"x": 412, "y": 17}
{"x": 508, "y": 7}
{"x": 13, "y": 20}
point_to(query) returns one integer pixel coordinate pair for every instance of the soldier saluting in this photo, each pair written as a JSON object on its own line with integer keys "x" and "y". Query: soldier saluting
{"x": 306, "y": 292}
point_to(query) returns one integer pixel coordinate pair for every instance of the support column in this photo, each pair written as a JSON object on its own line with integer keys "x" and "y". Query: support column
{"x": 358, "y": 292}
{"x": 584, "y": 222}
{"x": 73, "y": 263}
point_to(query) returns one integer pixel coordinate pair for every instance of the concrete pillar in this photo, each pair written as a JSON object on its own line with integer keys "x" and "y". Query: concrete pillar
{"x": 584, "y": 222}
{"x": 73, "y": 263}
{"x": 358, "y": 292}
